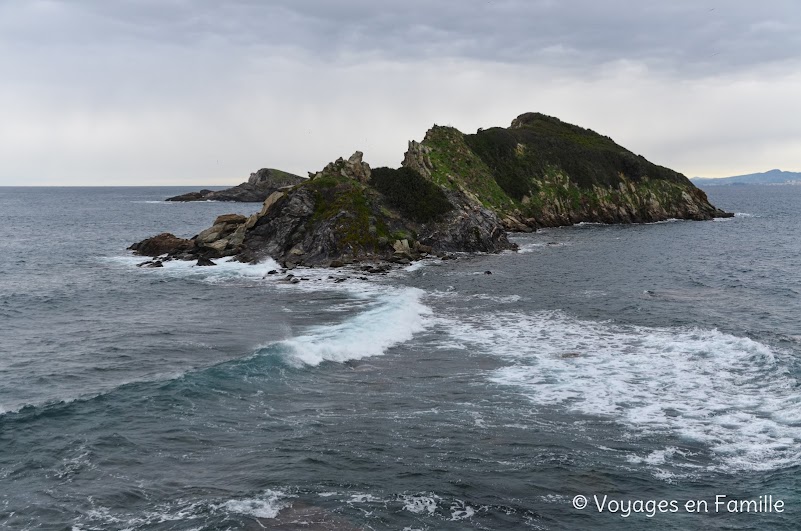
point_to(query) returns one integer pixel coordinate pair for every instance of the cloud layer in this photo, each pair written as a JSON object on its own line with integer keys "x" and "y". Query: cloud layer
{"x": 203, "y": 92}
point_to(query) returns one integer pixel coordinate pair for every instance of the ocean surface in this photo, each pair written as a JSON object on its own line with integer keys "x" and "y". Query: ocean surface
{"x": 647, "y": 362}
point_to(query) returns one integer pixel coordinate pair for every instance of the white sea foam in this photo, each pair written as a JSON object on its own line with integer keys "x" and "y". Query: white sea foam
{"x": 535, "y": 246}
{"x": 500, "y": 299}
{"x": 364, "y": 498}
{"x": 461, "y": 511}
{"x": 224, "y": 270}
{"x": 420, "y": 503}
{"x": 266, "y": 506}
{"x": 736, "y": 215}
{"x": 732, "y": 394}
{"x": 414, "y": 266}
{"x": 530, "y": 247}
{"x": 393, "y": 319}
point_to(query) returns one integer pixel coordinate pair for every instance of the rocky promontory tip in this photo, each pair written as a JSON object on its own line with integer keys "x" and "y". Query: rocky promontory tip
{"x": 453, "y": 193}
{"x": 256, "y": 189}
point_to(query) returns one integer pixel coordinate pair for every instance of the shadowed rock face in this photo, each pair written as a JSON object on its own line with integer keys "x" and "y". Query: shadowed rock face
{"x": 455, "y": 192}
{"x": 164, "y": 243}
{"x": 339, "y": 216}
{"x": 257, "y": 188}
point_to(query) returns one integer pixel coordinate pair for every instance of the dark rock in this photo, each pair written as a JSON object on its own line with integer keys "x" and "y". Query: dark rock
{"x": 487, "y": 272}
{"x": 193, "y": 196}
{"x": 257, "y": 188}
{"x": 153, "y": 263}
{"x": 230, "y": 218}
{"x": 164, "y": 243}
{"x": 337, "y": 263}
{"x": 204, "y": 262}
{"x": 353, "y": 168}
{"x": 272, "y": 272}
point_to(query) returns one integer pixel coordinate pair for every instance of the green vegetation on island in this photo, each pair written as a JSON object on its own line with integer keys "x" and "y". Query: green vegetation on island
{"x": 453, "y": 192}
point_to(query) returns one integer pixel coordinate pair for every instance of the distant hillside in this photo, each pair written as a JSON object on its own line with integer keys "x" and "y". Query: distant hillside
{"x": 768, "y": 177}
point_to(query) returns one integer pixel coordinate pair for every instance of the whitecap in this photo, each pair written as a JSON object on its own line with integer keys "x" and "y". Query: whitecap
{"x": 732, "y": 394}
{"x": 392, "y": 319}
{"x": 420, "y": 503}
{"x": 266, "y": 506}
{"x": 461, "y": 511}
{"x": 225, "y": 269}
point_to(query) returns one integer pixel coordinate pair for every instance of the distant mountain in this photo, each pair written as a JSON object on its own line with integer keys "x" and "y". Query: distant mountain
{"x": 768, "y": 177}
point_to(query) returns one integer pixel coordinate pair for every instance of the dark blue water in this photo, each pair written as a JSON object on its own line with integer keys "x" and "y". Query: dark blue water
{"x": 652, "y": 362}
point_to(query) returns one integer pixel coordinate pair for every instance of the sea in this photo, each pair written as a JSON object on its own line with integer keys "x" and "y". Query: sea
{"x": 601, "y": 377}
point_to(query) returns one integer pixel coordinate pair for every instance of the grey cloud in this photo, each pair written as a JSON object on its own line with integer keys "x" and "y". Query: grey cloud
{"x": 680, "y": 35}
{"x": 201, "y": 89}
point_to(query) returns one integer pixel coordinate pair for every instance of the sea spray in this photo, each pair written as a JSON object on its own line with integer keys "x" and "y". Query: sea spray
{"x": 730, "y": 393}
{"x": 393, "y": 319}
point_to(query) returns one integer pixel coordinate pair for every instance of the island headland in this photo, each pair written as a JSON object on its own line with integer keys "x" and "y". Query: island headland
{"x": 453, "y": 192}
{"x": 256, "y": 189}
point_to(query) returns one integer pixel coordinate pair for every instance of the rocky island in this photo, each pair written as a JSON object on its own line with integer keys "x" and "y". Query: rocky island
{"x": 453, "y": 192}
{"x": 255, "y": 190}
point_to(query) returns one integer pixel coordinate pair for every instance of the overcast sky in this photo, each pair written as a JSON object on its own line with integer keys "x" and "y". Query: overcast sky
{"x": 104, "y": 92}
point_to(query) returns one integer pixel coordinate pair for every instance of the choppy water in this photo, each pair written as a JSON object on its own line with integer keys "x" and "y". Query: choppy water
{"x": 644, "y": 362}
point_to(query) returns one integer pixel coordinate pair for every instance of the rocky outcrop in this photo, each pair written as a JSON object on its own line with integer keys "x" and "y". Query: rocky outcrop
{"x": 453, "y": 193}
{"x": 164, "y": 243}
{"x": 257, "y": 188}
{"x": 417, "y": 158}
{"x": 339, "y": 216}
{"x": 223, "y": 238}
{"x": 353, "y": 168}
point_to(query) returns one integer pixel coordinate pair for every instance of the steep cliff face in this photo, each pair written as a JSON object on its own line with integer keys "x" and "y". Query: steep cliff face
{"x": 543, "y": 172}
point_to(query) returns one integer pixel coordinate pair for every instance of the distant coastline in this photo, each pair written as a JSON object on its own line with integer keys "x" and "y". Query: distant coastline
{"x": 772, "y": 177}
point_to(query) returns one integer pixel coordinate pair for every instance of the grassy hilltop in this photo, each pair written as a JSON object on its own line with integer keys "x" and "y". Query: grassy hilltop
{"x": 544, "y": 172}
